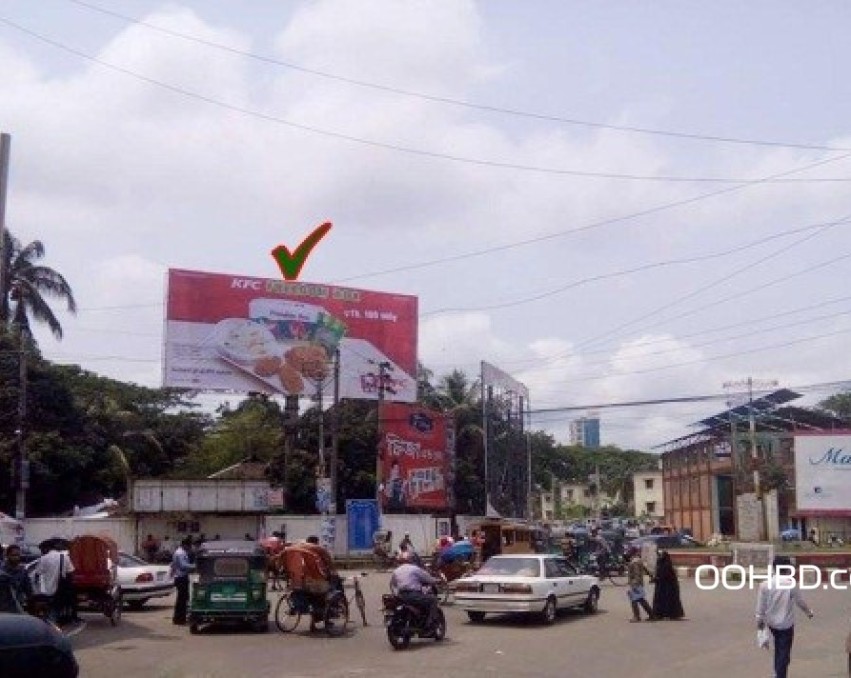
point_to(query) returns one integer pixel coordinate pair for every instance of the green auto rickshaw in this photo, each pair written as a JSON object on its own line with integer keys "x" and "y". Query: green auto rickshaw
{"x": 231, "y": 586}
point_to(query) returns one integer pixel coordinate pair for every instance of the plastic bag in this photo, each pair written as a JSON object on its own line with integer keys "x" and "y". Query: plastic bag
{"x": 763, "y": 637}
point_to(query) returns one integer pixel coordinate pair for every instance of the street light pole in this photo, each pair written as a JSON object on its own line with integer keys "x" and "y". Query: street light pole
{"x": 383, "y": 368}
{"x": 5, "y": 149}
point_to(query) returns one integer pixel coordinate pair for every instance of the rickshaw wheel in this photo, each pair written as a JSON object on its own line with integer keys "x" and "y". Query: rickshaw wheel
{"x": 286, "y": 615}
{"x": 336, "y": 615}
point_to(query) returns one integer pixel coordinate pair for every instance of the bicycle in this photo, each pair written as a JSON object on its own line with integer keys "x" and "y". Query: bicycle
{"x": 333, "y": 608}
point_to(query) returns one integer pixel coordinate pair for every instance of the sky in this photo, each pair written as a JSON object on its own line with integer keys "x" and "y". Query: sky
{"x": 612, "y": 202}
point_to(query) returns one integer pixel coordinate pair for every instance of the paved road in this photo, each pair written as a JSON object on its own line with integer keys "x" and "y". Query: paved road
{"x": 718, "y": 639}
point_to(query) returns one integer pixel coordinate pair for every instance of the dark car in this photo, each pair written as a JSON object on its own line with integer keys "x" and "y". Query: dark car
{"x": 32, "y": 647}
{"x": 666, "y": 541}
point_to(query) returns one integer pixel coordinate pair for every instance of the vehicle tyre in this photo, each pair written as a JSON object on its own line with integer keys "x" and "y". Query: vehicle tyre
{"x": 194, "y": 629}
{"x": 261, "y": 625}
{"x": 287, "y": 616}
{"x": 592, "y": 601}
{"x": 114, "y": 609}
{"x": 440, "y": 627}
{"x": 397, "y": 636}
{"x": 475, "y": 616}
{"x": 136, "y": 605}
{"x": 336, "y": 615}
{"x": 548, "y": 614}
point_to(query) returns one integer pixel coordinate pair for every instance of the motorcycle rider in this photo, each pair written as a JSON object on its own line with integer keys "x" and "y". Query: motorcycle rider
{"x": 407, "y": 582}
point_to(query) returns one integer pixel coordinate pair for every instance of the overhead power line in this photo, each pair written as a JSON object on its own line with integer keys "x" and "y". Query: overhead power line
{"x": 630, "y": 271}
{"x": 462, "y": 103}
{"x": 682, "y": 399}
{"x": 410, "y": 150}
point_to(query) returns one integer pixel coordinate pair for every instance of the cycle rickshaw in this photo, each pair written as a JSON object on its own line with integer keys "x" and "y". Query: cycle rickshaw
{"x": 315, "y": 590}
{"x": 95, "y": 559}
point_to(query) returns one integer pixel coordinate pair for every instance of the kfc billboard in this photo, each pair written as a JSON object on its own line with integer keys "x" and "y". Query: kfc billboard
{"x": 237, "y": 333}
{"x": 416, "y": 457}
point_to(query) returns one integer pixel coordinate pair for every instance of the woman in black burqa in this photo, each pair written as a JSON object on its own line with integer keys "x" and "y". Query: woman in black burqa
{"x": 666, "y": 596}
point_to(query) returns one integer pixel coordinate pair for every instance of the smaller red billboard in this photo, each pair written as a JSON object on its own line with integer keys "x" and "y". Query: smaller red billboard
{"x": 415, "y": 457}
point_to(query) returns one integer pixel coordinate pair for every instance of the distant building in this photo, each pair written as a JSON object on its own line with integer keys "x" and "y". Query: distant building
{"x": 585, "y": 431}
{"x": 648, "y": 491}
{"x": 708, "y": 475}
{"x": 570, "y": 495}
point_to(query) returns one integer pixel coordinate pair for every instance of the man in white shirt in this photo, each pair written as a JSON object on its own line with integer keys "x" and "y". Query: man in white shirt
{"x": 775, "y": 608}
{"x": 51, "y": 568}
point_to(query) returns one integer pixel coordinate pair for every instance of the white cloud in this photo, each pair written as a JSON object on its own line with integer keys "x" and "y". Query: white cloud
{"x": 122, "y": 179}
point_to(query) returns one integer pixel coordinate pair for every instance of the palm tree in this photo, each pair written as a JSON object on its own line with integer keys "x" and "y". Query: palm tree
{"x": 26, "y": 283}
{"x": 457, "y": 394}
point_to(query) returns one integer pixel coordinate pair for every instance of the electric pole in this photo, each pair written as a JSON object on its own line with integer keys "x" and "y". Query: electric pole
{"x": 335, "y": 433}
{"x": 750, "y": 383}
{"x": 383, "y": 369}
{"x": 5, "y": 148}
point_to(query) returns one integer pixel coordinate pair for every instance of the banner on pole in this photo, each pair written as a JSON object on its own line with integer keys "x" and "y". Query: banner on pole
{"x": 416, "y": 461}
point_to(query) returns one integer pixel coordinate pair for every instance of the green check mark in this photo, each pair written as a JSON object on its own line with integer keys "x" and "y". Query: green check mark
{"x": 291, "y": 263}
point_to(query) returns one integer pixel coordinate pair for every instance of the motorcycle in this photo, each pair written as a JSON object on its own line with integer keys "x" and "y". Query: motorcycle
{"x": 404, "y": 621}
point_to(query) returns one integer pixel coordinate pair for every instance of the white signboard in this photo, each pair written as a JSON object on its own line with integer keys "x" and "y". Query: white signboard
{"x": 823, "y": 474}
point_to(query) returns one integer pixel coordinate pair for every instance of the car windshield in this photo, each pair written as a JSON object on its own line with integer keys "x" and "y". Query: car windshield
{"x": 126, "y": 560}
{"x": 520, "y": 567}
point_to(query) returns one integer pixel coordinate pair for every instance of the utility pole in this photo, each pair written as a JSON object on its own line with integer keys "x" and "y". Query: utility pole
{"x": 383, "y": 368}
{"x": 22, "y": 471}
{"x": 23, "y": 465}
{"x": 5, "y": 148}
{"x": 750, "y": 383}
{"x": 335, "y": 433}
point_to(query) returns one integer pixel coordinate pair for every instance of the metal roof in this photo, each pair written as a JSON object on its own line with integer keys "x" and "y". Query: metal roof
{"x": 768, "y": 416}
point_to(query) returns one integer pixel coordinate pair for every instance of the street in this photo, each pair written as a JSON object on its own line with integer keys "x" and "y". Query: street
{"x": 717, "y": 639}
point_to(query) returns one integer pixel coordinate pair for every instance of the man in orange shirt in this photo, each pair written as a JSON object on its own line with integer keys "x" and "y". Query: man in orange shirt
{"x": 311, "y": 571}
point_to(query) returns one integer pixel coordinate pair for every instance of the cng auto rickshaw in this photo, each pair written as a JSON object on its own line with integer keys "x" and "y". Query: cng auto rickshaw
{"x": 231, "y": 586}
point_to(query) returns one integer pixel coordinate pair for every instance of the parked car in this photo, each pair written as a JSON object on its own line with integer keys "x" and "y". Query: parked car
{"x": 665, "y": 541}
{"x": 33, "y": 647}
{"x": 140, "y": 581}
{"x": 533, "y": 584}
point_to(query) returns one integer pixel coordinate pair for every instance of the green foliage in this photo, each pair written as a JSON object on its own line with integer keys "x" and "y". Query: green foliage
{"x": 839, "y": 405}
{"x": 27, "y": 284}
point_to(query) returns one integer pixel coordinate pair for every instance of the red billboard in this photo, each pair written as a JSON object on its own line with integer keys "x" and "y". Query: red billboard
{"x": 416, "y": 457}
{"x": 238, "y": 333}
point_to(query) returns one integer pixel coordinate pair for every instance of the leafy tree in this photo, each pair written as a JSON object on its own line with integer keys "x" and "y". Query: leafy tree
{"x": 838, "y": 404}
{"x": 27, "y": 283}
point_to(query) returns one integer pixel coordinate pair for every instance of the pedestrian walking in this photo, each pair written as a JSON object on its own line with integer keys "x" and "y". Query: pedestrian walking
{"x": 636, "y": 594}
{"x": 180, "y": 569}
{"x": 775, "y": 608}
{"x": 666, "y": 596}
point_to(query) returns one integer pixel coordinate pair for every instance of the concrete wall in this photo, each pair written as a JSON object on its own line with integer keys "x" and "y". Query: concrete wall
{"x": 130, "y": 531}
{"x": 122, "y": 530}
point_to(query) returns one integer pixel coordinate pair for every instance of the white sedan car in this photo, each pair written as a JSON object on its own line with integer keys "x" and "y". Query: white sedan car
{"x": 530, "y": 583}
{"x": 140, "y": 581}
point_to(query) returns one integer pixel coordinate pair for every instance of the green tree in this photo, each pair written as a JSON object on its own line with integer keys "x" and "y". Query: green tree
{"x": 27, "y": 284}
{"x": 838, "y": 404}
